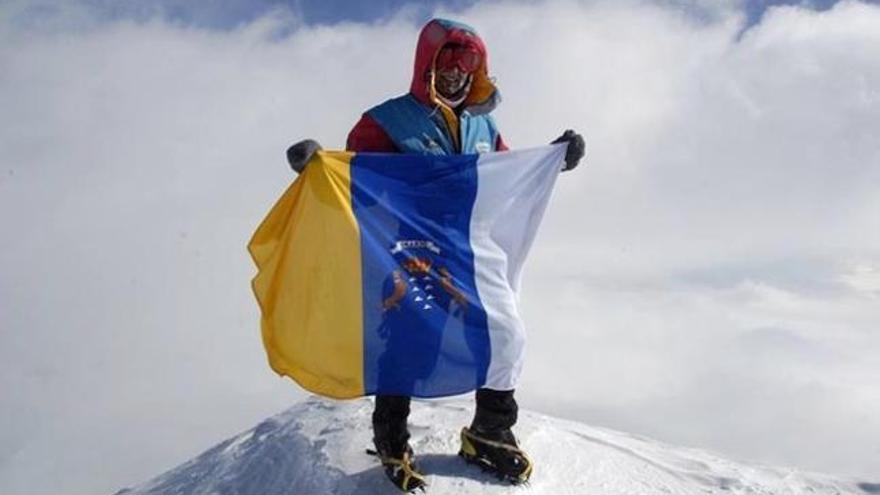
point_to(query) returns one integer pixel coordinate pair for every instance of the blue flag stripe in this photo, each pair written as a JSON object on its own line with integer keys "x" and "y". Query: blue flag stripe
{"x": 425, "y": 327}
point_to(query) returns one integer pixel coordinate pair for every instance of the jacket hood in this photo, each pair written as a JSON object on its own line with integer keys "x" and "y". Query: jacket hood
{"x": 483, "y": 96}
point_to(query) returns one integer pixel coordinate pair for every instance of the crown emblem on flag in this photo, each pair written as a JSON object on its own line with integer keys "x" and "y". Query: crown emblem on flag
{"x": 414, "y": 244}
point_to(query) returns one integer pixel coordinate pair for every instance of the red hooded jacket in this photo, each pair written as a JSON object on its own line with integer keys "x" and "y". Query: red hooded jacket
{"x": 368, "y": 135}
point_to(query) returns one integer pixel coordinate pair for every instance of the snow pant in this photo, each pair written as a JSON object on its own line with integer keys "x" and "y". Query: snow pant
{"x": 496, "y": 412}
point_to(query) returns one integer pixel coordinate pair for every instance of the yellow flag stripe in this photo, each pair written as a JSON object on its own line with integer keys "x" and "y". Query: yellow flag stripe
{"x": 308, "y": 254}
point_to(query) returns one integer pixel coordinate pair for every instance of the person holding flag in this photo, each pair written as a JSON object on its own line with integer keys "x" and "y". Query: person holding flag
{"x": 446, "y": 112}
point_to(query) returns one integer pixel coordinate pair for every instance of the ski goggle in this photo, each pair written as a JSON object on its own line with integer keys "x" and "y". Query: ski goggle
{"x": 466, "y": 58}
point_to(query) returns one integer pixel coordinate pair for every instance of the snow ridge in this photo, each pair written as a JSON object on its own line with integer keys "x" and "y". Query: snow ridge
{"x": 318, "y": 447}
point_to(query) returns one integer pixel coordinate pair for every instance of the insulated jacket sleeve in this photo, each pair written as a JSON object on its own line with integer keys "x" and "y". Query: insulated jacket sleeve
{"x": 367, "y": 135}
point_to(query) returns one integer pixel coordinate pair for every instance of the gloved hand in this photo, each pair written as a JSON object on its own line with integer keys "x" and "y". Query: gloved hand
{"x": 300, "y": 153}
{"x": 577, "y": 148}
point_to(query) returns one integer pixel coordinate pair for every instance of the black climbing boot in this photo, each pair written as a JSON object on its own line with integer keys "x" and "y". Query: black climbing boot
{"x": 391, "y": 439}
{"x": 489, "y": 442}
{"x": 401, "y": 469}
{"x": 497, "y": 453}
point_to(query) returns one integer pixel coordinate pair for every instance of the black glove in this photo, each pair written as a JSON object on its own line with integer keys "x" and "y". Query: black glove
{"x": 577, "y": 148}
{"x": 300, "y": 153}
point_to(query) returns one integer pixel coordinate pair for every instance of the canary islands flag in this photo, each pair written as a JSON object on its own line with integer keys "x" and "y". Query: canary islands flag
{"x": 399, "y": 274}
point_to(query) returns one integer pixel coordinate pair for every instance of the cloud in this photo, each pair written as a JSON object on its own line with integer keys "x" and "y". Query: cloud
{"x": 706, "y": 277}
{"x": 864, "y": 278}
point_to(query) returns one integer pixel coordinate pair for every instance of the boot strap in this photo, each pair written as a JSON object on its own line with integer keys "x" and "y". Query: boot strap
{"x": 406, "y": 465}
{"x": 493, "y": 443}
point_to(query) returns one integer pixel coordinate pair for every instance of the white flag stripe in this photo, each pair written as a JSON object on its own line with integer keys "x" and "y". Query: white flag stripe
{"x": 512, "y": 193}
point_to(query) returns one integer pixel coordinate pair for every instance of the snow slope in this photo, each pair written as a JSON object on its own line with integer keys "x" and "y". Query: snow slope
{"x": 318, "y": 447}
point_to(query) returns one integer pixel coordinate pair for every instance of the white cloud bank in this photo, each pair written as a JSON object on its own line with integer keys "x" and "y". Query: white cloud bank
{"x": 708, "y": 277}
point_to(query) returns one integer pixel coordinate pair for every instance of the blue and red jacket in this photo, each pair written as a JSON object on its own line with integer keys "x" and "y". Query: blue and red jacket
{"x": 419, "y": 122}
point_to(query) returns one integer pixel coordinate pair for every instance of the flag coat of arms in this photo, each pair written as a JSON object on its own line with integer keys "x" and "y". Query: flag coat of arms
{"x": 399, "y": 274}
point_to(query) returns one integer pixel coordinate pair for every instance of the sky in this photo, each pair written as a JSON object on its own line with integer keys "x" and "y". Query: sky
{"x": 709, "y": 276}
{"x": 227, "y": 14}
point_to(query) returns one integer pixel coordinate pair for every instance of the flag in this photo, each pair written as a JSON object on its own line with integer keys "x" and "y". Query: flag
{"x": 399, "y": 274}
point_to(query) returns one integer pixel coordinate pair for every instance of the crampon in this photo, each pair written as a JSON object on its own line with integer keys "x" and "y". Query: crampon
{"x": 500, "y": 456}
{"x": 402, "y": 471}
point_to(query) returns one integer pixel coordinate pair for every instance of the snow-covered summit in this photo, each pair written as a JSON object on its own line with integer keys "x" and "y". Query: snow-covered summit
{"x": 318, "y": 447}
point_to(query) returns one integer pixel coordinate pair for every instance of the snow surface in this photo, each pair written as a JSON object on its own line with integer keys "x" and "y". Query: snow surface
{"x": 318, "y": 447}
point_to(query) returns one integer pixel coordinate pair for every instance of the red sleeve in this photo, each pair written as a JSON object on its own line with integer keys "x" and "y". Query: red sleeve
{"x": 500, "y": 145}
{"x": 368, "y": 135}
